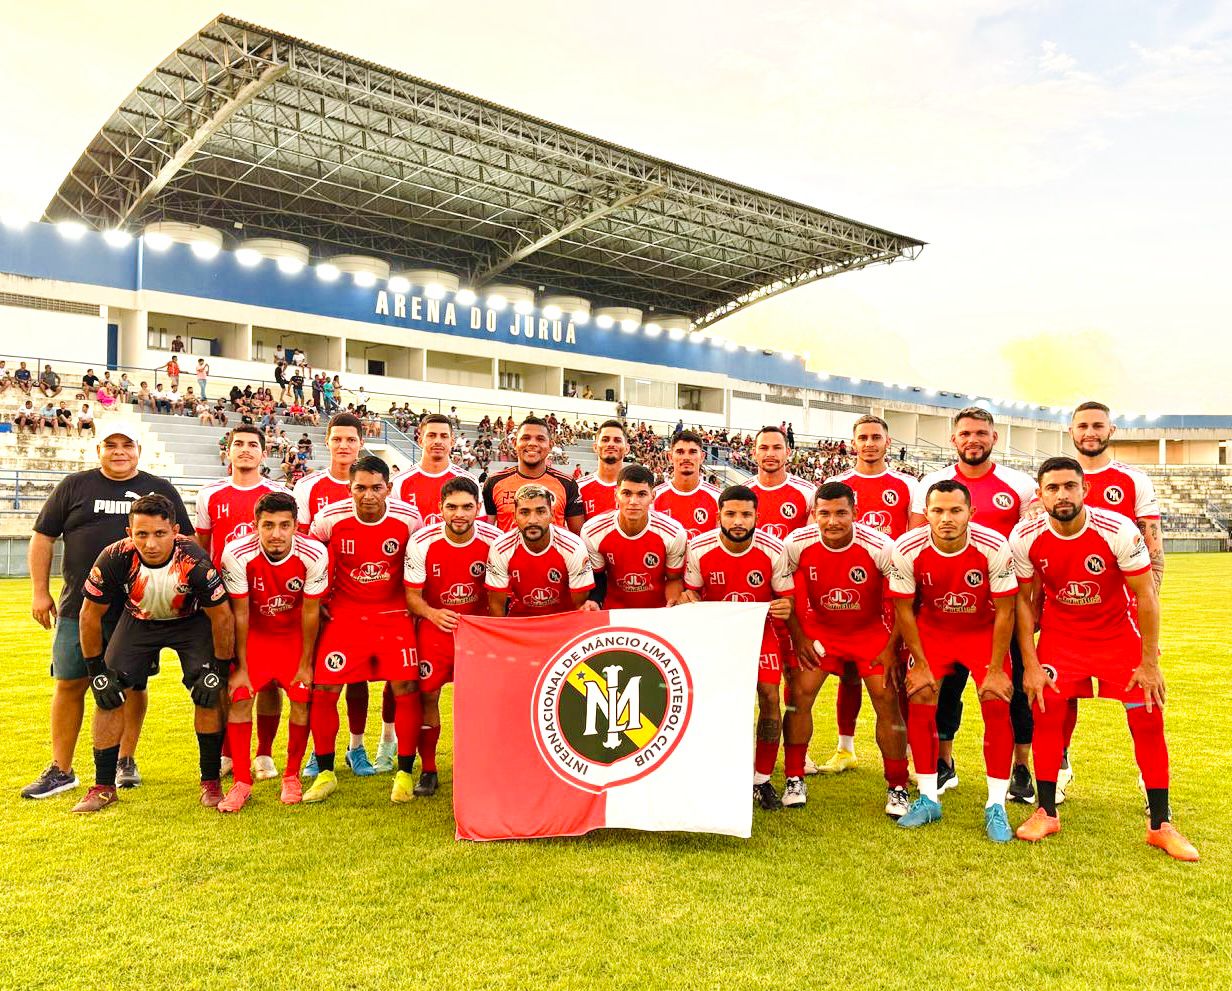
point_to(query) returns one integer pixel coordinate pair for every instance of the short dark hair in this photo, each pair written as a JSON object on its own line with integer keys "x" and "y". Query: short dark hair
{"x": 1061, "y": 462}
{"x": 535, "y": 421}
{"x": 974, "y": 413}
{"x": 275, "y": 502}
{"x": 948, "y": 485}
{"x": 870, "y": 418}
{"x": 835, "y": 490}
{"x": 770, "y": 429}
{"x": 152, "y": 505}
{"x": 460, "y": 483}
{"x": 637, "y": 474}
{"x": 738, "y": 493}
{"x": 247, "y": 428}
{"x": 370, "y": 463}
{"x": 616, "y": 424}
{"x": 436, "y": 418}
{"x": 1090, "y": 404}
{"x": 344, "y": 420}
{"x": 688, "y": 437}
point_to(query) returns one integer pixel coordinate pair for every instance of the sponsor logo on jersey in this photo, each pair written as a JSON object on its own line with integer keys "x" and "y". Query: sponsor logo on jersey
{"x": 700, "y": 514}
{"x": 633, "y": 581}
{"x": 1079, "y": 594}
{"x": 182, "y": 588}
{"x": 956, "y": 602}
{"x": 390, "y": 546}
{"x": 335, "y": 661}
{"x": 842, "y": 599}
{"x": 788, "y": 510}
{"x": 774, "y": 529}
{"x": 276, "y": 604}
{"x": 478, "y": 569}
{"x": 459, "y": 594}
{"x": 858, "y": 575}
{"x": 295, "y": 584}
{"x": 1003, "y": 500}
{"x": 1095, "y": 564}
{"x": 889, "y": 497}
{"x": 371, "y": 571}
{"x": 241, "y": 530}
{"x": 651, "y": 560}
{"x": 879, "y": 519}
{"x": 756, "y": 579}
{"x": 1114, "y": 495}
{"x": 739, "y": 597}
{"x": 974, "y": 578}
{"x": 539, "y": 598}
{"x": 554, "y": 575}
{"x": 612, "y": 707}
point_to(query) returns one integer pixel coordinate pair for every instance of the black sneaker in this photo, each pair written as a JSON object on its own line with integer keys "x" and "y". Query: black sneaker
{"x": 947, "y": 776}
{"x": 1022, "y": 788}
{"x": 766, "y": 797}
{"x": 428, "y": 783}
{"x": 53, "y": 781}
{"x": 127, "y": 775}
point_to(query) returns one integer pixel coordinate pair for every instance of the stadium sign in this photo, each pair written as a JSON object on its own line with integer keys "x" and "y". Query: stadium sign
{"x": 436, "y": 314}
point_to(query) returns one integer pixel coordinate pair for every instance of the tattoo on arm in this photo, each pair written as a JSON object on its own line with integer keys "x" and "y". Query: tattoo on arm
{"x": 1153, "y": 534}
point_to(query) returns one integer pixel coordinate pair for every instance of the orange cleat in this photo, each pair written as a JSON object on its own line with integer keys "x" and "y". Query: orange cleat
{"x": 1171, "y": 842}
{"x": 1040, "y": 824}
{"x": 292, "y": 790}
{"x": 236, "y": 797}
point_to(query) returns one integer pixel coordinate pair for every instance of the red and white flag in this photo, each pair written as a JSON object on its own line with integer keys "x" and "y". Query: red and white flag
{"x": 631, "y": 718}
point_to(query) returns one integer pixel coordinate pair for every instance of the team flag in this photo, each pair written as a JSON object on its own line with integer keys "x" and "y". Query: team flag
{"x": 631, "y": 718}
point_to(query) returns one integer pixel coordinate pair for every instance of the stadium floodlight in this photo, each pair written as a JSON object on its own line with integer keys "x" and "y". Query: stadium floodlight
{"x": 731, "y": 346}
{"x": 930, "y": 392}
{"x": 71, "y": 230}
{"x": 677, "y": 333}
{"x": 604, "y": 322}
{"x": 465, "y": 297}
{"x": 327, "y": 272}
{"x": 552, "y": 312}
{"x": 205, "y": 250}
{"x": 696, "y": 337}
{"x": 365, "y": 280}
{"x": 399, "y": 284}
{"x": 290, "y": 266}
{"x": 156, "y": 240}
{"x": 580, "y": 316}
{"x": 15, "y": 219}
{"x": 117, "y": 238}
{"x": 629, "y": 326}
{"x": 524, "y": 307}
{"x": 653, "y": 329}
{"x": 496, "y": 301}
{"x": 248, "y": 257}
{"x": 822, "y": 376}
{"x": 434, "y": 290}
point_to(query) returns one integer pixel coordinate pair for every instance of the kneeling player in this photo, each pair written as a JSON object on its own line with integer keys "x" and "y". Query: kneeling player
{"x": 369, "y": 635}
{"x": 839, "y": 568}
{"x": 445, "y": 567}
{"x": 173, "y": 598}
{"x": 275, "y": 579}
{"x": 963, "y": 578}
{"x": 1088, "y": 562}
{"x": 739, "y": 563}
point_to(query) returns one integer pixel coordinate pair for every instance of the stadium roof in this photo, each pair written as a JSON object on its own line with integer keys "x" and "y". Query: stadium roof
{"x": 262, "y": 134}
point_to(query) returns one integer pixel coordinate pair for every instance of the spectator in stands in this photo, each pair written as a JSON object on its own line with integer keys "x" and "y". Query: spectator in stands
{"x": 297, "y": 384}
{"x": 145, "y": 398}
{"x": 64, "y": 417}
{"x": 622, "y": 409}
{"x": 269, "y": 421}
{"x": 177, "y": 346}
{"x": 6, "y": 380}
{"x": 173, "y": 371}
{"x": 23, "y": 378}
{"x": 455, "y": 421}
{"x": 28, "y": 417}
{"x": 203, "y": 376}
{"x": 204, "y": 413}
{"x": 89, "y": 383}
{"x": 223, "y": 443}
{"x": 49, "y": 382}
{"x": 588, "y": 392}
{"x": 124, "y": 388}
{"x": 791, "y": 436}
{"x": 162, "y": 399}
{"x": 188, "y": 404}
{"x": 327, "y": 391}
{"x": 48, "y": 416}
{"x": 280, "y": 353}
{"x": 301, "y": 359}
{"x": 280, "y": 379}
{"x": 303, "y": 447}
{"x": 234, "y": 396}
{"x": 106, "y": 397}
{"x": 85, "y": 421}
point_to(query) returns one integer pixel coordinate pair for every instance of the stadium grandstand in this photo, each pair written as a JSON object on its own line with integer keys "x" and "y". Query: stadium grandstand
{"x": 277, "y": 211}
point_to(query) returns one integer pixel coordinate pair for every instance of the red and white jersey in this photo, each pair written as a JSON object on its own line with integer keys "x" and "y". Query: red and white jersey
{"x": 697, "y": 511}
{"x": 883, "y": 501}
{"x": 956, "y": 590}
{"x": 368, "y": 559}
{"x": 1000, "y": 496}
{"x": 759, "y": 573}
{"x": 638, "y": 567}
{"x": 845, "y": 586}
{"x": 540, "y": 582}
{"x": 1084, "y": 575}
{"x": 315, "y": 491}
{"x": 275, "y": 589}
{"x": 225, "y": 512}
{"x": 597, "y": 495}
{"x": 1121, "y": 489}
{"x": 422, "y": 489}
{"x": 451, "y": 576}
{"x": 784, "y": 507}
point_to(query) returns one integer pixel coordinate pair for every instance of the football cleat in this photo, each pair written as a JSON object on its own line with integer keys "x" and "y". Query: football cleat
{"x": 52, "y": 781}
{"x": 428, "y": 784}
{"x": 211, "y": 794}
{"x": 310, "y": 769}
{"x": 1022, "y": 788}
{"x": 996, "y": 825}
{"x": 1040, "y": 824}
{"x": 404, "y": 788}
{"x": 225, "y": 769}
{"x": 237, "y": 795}
{"x": 766, "y": 797}
{"x": 127, "y": 775}
{"x": 292, "y": 790}
{"x": 1171, "y": 842}
{"x": 359, "y": 763}
{"x": 97, "y": 799}
{"x": 263, "y": 768}
{"x": 795, "y": 794}
{"x": 947, "y": 776}
{"x": 840, "y": 761}
{"x": 810, "y": 767}
{"x": 922, "y": 811}
{"x": 386, "y": 757}
{"x": 324, "y": 786}
{"x": 897, "y": 802}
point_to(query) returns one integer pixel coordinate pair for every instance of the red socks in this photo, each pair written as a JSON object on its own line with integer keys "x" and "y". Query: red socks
{"x": 357, "y": 707}
{"x": 1150, "y": 747}
{"x": 387, "y": 704}
{"x": 297, "y": 743}
{"x": 1047, "y": 741}
{"x": 408, "y": 716}
{"x": 1071, "y": 720}
{"x": 847, "y": 703}
{"x": 429, "y": 736}
{"x": 793, "y": 759}
{"x": 998, "y": 738}
{"x": 896, "y": 772}
{"x": 239, "y": 736}
{"x": 922, "y": 736}
{"x": 267, "y": 729}
{"x": 765, "y": 756}
{"x": 323, "y": 718}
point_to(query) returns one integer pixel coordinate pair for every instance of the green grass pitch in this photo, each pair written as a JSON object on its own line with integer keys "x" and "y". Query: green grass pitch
{"x": 357, "y": 893}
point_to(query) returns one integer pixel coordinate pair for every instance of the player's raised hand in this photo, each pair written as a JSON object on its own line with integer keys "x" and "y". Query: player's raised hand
{"x": 43, "y": 609}
{"x": 996, "y": 685}
{"x": 445, "y": 620}
{"x": 1034, "y": 680}
{"x": 1150, "y": 678}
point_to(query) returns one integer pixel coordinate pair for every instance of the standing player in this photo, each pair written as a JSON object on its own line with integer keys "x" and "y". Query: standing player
{"x": 637, "y": 554}
{"x": 1088, "y": 563}
{"x": 275, "y": 579}
{"x": 1000, "y": 497}
{"x": 313, "y": 492}
{"x": 883, "y": 501}
{"x": 598, "y": 491}
{"x": 173, "y": 598}
{"x": 225, "y": 513}
{"x": 539, "y": 568}
{"x": 840, "y": 568}
{"x": 685, "y": 497}
{"x": 368, "y": 636}
{"x": 421, "y": 485}
{"x": 740, "y": 562}
{"x": 953, "y": 582}
{"x": 445, "y": 567}
{"x": 533, "y": 443}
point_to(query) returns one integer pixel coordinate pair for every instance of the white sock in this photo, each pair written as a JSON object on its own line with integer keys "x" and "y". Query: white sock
{"x": 387, "y": 733}
{"x": 927, "y": 783}
{"x": 357, "y": 740}
{"x": 760, "y": 779}
{"x": 847, "y": 743}
{"x": 997, "y": 787}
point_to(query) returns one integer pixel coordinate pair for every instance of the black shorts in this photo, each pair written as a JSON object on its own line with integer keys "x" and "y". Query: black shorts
{"x": 132, "y": 651}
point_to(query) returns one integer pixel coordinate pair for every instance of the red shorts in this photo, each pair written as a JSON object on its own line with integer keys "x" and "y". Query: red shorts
{"x": 1110, "y": 662}
{"x": 378, "y": 646}
{"x": 777, "y": 655}
{"x": 859, "y": 648}
{"x": 273, "y": 659}
{"x": 947, "y": 651}
{"x": 435, "y": 656}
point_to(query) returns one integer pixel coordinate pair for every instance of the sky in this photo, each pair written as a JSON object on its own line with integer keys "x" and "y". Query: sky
{"x": 1067, "y": 163}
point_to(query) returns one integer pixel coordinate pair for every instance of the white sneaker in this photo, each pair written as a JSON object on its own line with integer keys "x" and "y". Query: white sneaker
{"x": 226, "y": 767}
{"x": 795, "y": 794}
{"x": 263, "y": 768}
{"x": 1066, "y": 774}
{"x": 897, "y": 802}
{"x": 810, "y": 768}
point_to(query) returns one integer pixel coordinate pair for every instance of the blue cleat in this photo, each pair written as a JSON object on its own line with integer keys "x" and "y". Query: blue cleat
{"x": 996, "y": 825}
{"x": 357, "y": 760}
{"x": 310, "y": 769}
{"x": 922, "y": 812}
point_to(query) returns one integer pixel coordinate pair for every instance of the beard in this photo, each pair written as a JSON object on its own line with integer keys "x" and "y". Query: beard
{"x": 973, "y": 460}
{"x": 748, "y": 535}
{"x": 1064, "y": 514}
{"x": 1101, "y": 447}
